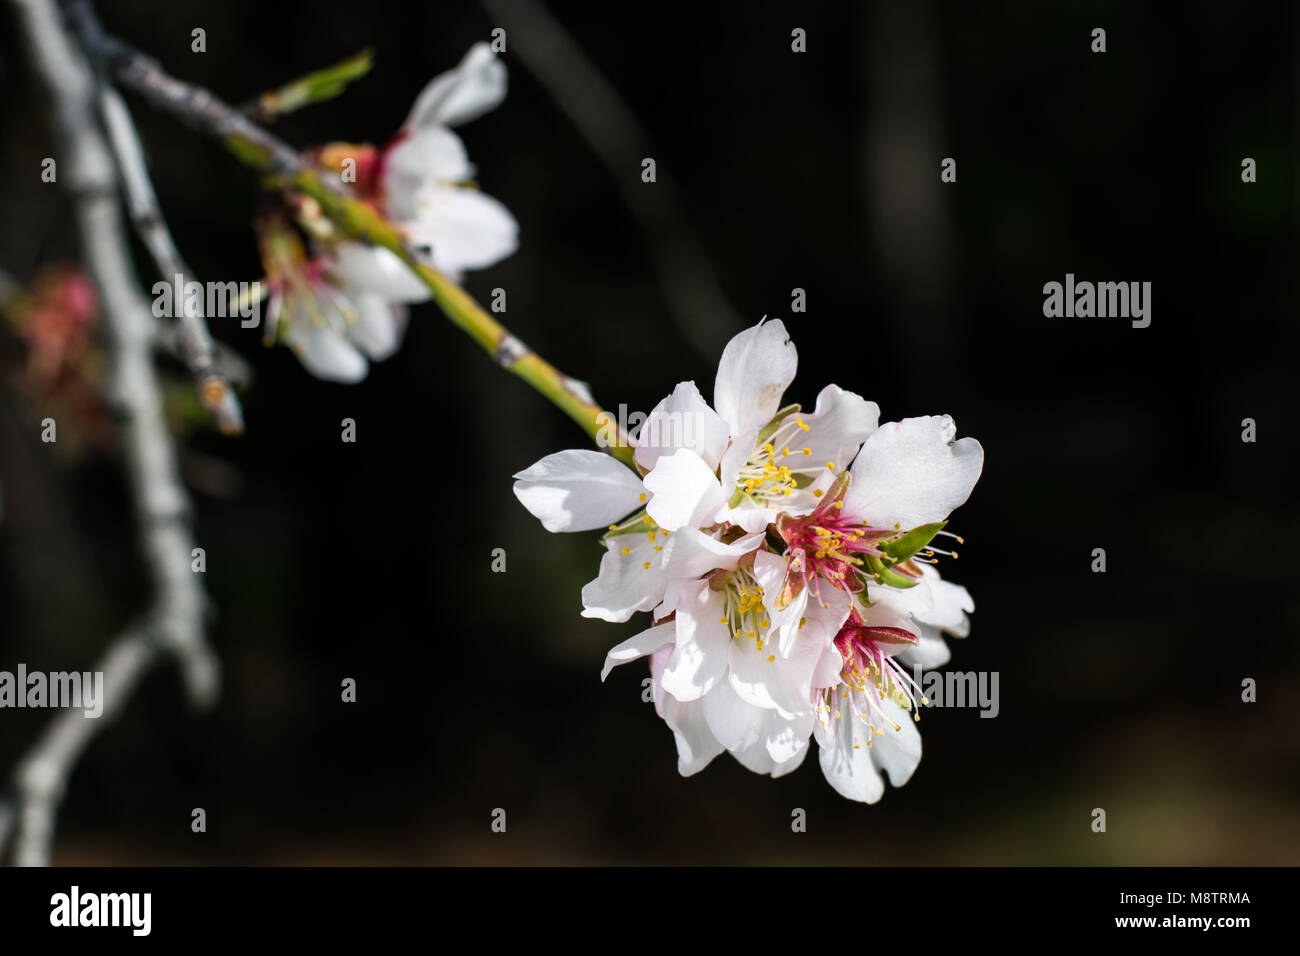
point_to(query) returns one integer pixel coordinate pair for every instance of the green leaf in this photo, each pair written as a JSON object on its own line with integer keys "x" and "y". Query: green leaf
{"x": 902, "y": 548}
{"x": 886, "y": 575}
{"x": 768, "y": 430}
{"x": 637, "y": 524}
{"x": 315, "y": 87}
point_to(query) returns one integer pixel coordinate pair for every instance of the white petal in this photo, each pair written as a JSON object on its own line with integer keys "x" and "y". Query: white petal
{"x": 897, "y": 752}
{"x": 325, "y": 352}
{"x": 752, "y": 676}
{"x": 839, "y": 425}
{"x": 625, "y": 584}
{"x": 951, "y": 603}
{"x": 787, "y": 740}
{"x": 378, "y": 327}
{"x": 934, "y": 602}
{"x": 696, "y": 745}
{"x": 755, "y": 758}
{"x": 691, "y": 553}
{"x": 735, "y": 723}
{"x": 578, "y": 490}
{"x": 756, "y": 368}
{"x": 427, "y": 156}
{"x": 477, "y": 85}
{"x": 699, "y": 660}
{"x": 682, "y": 420}
{"x": 846, "y": 759}
{"x": 852, "y": 767}
{"x": 375, "y": 269}
{"x": 638, "y": 646}
{"x": 930, "y": 652}
{"x": 911, "y": 473}
{"x": 463, "y": 228}
{"x": 793, "y": 763}
{"x": 686, "y": 492}
{"x": 829, "y": 666}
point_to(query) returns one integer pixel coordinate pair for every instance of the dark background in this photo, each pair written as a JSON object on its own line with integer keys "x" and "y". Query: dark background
{"x": 820, "y": 171}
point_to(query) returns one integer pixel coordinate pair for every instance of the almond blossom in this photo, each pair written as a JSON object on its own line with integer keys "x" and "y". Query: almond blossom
{"x": 786, "y": 560}
{"x": 346, "y": 306}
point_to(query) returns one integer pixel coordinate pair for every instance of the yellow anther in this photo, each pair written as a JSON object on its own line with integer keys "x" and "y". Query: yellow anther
{"x": 627, "y": 550}
{"x": 642, "y": 497}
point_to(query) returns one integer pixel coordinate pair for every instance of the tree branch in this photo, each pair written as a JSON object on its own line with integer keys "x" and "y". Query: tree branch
{"x": 42, "y": 777}
{"x": 175, "y": 623}
{"x": 193, "y": 338}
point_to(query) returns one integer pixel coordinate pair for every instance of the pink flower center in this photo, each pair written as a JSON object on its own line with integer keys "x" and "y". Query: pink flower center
{"x": 829, "y": 544}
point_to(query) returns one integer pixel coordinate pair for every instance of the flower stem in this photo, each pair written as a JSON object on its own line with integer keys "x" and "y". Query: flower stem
{"x": 359, "y": 220}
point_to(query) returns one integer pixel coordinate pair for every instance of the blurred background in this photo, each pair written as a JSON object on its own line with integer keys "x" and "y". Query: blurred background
{"x": 777, "y": 171}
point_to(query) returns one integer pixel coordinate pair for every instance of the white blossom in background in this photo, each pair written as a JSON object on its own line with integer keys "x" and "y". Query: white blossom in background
{"x": 346, "y": 307}
{"x": 786, "y": 560}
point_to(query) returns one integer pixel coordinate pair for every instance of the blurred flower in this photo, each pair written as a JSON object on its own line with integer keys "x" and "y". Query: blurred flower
{"x": 54, "y": 317}
{"x": 337, "y": 313}
{"x": 344, "y": 306}
{"x": 423, "y": 181}
{"x": 786, "y": 560}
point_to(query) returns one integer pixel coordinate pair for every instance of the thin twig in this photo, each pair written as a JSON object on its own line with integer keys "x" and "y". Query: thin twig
{"x": 175, "y": 623}
{"x": 193, "y": 337}
{"x": 610, "y": 126}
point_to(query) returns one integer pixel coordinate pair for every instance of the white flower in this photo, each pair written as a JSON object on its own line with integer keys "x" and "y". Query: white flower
{"x": 753, "y": 652}
{"x": 425, "y": 176}
{"x": 865, "y": 716}
{"x": 336, "y": 326}
{"x": 582, "y": 490}
{"x": 719, "y": 692}
{"x": 347, "y": 307}
{"x": 776, "y": 460}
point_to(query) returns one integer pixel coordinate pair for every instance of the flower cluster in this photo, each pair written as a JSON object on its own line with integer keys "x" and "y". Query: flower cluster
{"x": 786, "y": 559}
{"x": 344, "y": 305}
